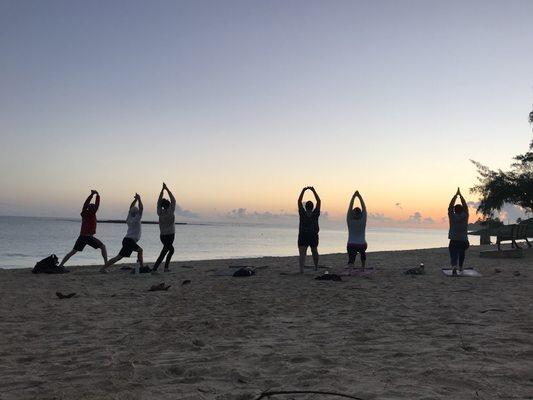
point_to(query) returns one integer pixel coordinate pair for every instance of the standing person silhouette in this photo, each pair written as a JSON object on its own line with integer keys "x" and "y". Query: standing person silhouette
{"x": 458, "y": 233}
{"x": 356, "y": 220}
{"x": 129, "y": 243}
{"x": 88, "y": 229}
{"x": 165, "y": 211}
{"x": 308, "y": 229}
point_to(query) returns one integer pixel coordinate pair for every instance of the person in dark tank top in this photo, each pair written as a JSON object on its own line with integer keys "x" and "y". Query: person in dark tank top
{"x": 458, "y": 233}
{"x": 308, "y": 229}
{"x": 88, "y": 229}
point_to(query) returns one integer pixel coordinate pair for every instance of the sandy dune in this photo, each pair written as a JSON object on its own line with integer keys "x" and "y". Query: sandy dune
{"x": 389, "y": 336}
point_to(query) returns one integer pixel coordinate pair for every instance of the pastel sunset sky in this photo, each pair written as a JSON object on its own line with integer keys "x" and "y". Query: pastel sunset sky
{"x": 239, "y": 104}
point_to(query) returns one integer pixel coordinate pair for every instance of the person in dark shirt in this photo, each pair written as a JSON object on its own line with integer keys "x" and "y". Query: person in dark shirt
{"x": 308, "y": 231}
{"x": 88, "y": 229}
{"x": 458, "y": 233}
{"x": 167, "y": 228}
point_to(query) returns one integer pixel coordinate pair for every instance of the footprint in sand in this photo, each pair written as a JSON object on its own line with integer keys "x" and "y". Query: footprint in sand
{"x": 175, "y": 370}
{"x": 299, "y": 359}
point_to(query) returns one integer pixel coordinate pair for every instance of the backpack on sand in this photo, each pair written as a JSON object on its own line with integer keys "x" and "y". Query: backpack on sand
{"x": 245, "y": 271}
{"x": 49, "y": 265}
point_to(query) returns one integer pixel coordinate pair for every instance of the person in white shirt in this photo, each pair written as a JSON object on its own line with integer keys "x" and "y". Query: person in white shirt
{"x": 356, "y": 220}
{"x": 165, "y": 211}
{"x": 129, "y": 243}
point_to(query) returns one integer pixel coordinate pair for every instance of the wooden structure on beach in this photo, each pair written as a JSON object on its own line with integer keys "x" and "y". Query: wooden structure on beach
{"x": 506, "y": 233}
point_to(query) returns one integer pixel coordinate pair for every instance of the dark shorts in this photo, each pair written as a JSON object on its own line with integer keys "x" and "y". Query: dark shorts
{"x": 86, "y": 240}
{"x": 128, "y": 246}
{"x": 167, "y": 240}
{"x": 308, "y": 239}
{"x": 458, "y": 245}
{"x": 356, "y": 248}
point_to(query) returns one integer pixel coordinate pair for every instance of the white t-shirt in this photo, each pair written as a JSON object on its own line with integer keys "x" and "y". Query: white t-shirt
{"x": 134, "y": 226}
{"x": 356, "y": 230}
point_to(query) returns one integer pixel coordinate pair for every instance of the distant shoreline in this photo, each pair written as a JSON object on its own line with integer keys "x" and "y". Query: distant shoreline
{"x": 121, "y": 221}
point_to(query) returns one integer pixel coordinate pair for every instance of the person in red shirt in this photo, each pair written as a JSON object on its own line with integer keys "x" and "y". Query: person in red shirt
{"x": 88, "y": 229}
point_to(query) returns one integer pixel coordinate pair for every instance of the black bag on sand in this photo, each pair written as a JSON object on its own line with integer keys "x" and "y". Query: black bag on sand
{"x": 329, "y": 277}
{"x": 415, "y": 271}
{"x": 49, "y": 265}
{"x": 247, "y": 271}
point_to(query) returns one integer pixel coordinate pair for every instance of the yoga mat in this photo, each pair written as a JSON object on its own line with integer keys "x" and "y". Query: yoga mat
{"x": 467, "y": 272}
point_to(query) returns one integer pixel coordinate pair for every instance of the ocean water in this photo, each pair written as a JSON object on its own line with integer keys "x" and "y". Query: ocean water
{"x": 25, "y": 240}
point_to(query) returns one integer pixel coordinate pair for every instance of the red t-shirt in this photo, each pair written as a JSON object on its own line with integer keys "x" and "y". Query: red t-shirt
{"x": 88, "y": 222}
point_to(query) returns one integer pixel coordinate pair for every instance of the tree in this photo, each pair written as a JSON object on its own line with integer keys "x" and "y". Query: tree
{"x": 499, "y": 187}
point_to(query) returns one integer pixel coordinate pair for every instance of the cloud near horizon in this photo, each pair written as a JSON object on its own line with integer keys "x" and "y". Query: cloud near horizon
{"x": 243, "y": 214}
{"x": 509, "y": 212}
{"x": 185, "y": 213}
{"x": 418, "y": 219}
{"x": 415, "y": 219}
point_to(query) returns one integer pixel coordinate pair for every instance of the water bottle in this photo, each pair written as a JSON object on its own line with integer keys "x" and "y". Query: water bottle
{"x": 137, "y": 268}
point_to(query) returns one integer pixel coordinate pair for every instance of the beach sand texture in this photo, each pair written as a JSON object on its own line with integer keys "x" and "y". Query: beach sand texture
{"x": 388, "y": 336}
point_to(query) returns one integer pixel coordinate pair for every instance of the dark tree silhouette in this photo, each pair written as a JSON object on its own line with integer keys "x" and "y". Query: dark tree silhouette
{"x": 514, "y": 186}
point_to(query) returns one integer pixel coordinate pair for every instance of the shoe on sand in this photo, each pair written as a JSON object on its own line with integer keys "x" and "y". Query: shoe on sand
{"x": 65, "y": 296}
{"x": 161, "y": 286}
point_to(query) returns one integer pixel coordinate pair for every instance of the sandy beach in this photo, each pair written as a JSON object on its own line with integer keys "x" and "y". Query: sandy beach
{"x": 388, "y": 336}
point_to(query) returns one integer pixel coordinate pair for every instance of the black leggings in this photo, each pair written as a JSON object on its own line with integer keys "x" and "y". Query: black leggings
{"x": 457, "y": 250}
{"x": 167, "y": 241}
{"x": 353, "y": 249}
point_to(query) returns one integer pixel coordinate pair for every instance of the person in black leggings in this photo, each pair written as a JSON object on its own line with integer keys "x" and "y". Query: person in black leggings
{"x": 356, "y": 220}
{"x": 308, "y": 230}
{"x": 458, "y": 233}
{"x": 165, "y": 211}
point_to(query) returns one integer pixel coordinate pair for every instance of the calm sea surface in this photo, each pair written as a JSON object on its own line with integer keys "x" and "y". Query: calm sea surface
{"x": 25, "y": 240}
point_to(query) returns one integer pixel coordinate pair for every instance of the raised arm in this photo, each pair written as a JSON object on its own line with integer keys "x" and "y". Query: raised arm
{"x": 452, "y": 201}
{"x": 350, "y": 207}
{"x": 318, "y": 202}
{"x": 88, "y": 201}
{"x": 301, "y": 197}
{"x": 134, "y": 201}
{"x": 159, "y": 209}
{"x": 172, "y": 198}
{"x": 141, "y": 207}
{"x": 463, "y": 202}
{"x": 97, "y": 202}
{"x": 363, "y": 205}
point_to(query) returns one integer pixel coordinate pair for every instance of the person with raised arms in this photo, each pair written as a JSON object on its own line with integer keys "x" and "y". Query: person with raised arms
{"x": 308, "y": 229}
{"x": 356, "y": 221}
{"x": 133, "y": 235}
{"x": 458, "y": 233}
{"x": 88, "y": 229}
{"x": 167, "y": 229}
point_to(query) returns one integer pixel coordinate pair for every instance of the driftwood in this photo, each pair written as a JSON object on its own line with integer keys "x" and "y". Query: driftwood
{"x": 281, "y": 392}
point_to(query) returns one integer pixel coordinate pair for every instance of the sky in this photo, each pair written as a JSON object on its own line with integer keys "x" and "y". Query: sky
{"x": 237, "y": 105}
